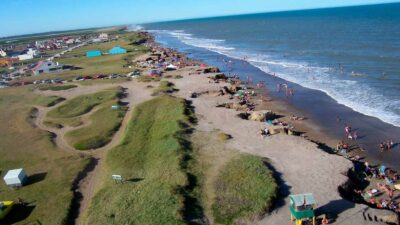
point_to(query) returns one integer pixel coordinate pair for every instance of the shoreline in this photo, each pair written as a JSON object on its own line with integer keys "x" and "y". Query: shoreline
{"x": 314, "y": 103}
{"x": 314, "y": 133}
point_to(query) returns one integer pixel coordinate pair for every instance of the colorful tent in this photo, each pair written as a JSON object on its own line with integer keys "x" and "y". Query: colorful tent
{"x": 94, "y": 53}
{"x": 117, "y": 50}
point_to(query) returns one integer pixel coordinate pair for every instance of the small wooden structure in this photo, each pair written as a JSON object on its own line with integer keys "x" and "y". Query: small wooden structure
{"x": 302, "y": 208}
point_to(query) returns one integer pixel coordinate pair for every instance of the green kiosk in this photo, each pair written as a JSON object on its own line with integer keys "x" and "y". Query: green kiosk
{"x": 302, "y": 208}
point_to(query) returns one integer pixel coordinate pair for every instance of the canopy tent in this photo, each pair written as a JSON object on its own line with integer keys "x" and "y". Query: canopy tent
{"x": 171, "y": 67}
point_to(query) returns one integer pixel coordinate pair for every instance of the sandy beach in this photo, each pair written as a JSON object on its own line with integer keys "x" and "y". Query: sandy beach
{"x": 300, "y": 165}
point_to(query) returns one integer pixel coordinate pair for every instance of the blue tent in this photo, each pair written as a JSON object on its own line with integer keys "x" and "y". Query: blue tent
{"x": 117, "y": 50}
{"x": 93, "y": 53}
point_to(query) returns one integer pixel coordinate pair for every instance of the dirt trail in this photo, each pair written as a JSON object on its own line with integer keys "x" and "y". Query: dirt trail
{"x": 136, "y": 93}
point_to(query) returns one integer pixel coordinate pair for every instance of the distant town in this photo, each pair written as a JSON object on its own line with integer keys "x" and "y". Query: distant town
{"x": 32, "y": 57}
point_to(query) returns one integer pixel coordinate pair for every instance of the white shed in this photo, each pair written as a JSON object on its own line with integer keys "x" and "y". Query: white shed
{"x": 15, "y": 178}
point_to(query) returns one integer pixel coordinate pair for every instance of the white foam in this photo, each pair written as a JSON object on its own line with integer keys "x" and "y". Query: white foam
{"x": 134, "y": 27}
{"x": 352, "y": 93}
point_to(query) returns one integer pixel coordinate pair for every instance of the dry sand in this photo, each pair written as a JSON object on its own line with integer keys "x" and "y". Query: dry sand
{"x": 301, "y": 166}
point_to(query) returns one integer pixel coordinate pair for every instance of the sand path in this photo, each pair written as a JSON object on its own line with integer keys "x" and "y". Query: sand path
{"x": 136, "y": 93}
{"x": 299, "y": 164}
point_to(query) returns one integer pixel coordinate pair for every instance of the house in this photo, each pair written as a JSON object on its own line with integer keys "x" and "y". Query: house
{"x": 15, "y": 178}
{"x": 103, "y": 37}
{"x": 117, "y": 50}
{"x": 47, "y": 67}
{"x": 3, "y": 53}
{"x": 93, "y": 53}
{"x": 29, "y": 54}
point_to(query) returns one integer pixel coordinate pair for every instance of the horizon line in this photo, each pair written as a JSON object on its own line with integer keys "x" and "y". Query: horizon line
{"x": 194, "y": 18}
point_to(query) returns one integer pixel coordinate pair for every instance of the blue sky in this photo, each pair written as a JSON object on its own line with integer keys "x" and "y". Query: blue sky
{"x": 33, "y": 16}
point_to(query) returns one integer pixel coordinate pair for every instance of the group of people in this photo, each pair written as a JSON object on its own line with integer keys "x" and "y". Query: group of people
{"x": 386, "y": 145}
{"x": 284, "y": 87}
{"x": 343, "y": 148}
{"x": 389, "y": 177}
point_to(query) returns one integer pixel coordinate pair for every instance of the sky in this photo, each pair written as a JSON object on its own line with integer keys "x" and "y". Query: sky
{"x": 35, "y": 16}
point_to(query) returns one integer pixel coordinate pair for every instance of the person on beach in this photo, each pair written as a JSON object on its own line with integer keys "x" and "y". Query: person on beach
{"x": 355, "y": 136}
{"x": 350, "y": 136}
{"x": 381, "y": 147}
{"x": 279, "y": 87}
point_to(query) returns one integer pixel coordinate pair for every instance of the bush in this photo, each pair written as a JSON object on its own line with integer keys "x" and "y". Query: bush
{"x": 245, "y": 189}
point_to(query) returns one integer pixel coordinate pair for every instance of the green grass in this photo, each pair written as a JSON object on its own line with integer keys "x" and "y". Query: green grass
{"x": 52, "y": 124}
{"x": 147, "y": 79}
{"x": 83, "y": 104}
{"x": 72, "y": 122}
{"x": 48, "y": 101}
{"x": 245, "y": 189}
{"x": 22, "y": 145}
{"x": 165, "y": 87}
{"x": 57, "y": 87}
{"x": 105, "y": 81}
{"x": 123, "y": 41}
{"x": 105, "y": 123}
{"x": 149, "y": 158}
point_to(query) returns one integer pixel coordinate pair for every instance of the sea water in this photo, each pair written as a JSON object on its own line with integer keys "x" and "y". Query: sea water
{"x": 352, "y": 54}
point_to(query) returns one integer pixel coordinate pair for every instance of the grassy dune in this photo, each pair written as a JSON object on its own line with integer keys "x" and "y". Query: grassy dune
{"x": 57, "y": 87}
{"x": 105, "y": 122}
{"x": 245, "y": 189}
{"x": 149, "y": 158}
{"x": 83, "y": 104}
{"x": 51, "y": 171}
{"x": 48, "y": 101}
{"x": 165, "y": 87}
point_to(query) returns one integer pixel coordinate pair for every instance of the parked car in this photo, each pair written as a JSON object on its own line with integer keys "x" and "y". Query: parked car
{"x": 47, "y": 81}
{"x": 99, "y": 76}
{"x": 113, "y": 76}
{"x": 57, "y": 81}
{"x": 87, "y": 77}
{"x": 79, "y": 78}
{"x": 37, "y": 82}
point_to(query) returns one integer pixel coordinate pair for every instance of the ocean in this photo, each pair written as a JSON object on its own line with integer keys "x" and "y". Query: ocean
{"x": 352, "y": 54}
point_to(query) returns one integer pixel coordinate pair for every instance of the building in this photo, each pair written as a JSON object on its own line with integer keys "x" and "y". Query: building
{"x": 3, "y": 53}
{"x": 117, "y": 50}
{"x": 93, "y": 53}
{"x": 29, "y": 54}
{"x": 47, "y": 67}
{"x": 15, "y": 178}
{"x": 103, "y": 37}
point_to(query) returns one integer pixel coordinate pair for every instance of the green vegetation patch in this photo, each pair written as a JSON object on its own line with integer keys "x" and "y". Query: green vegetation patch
{"x": 105, "y": 122}
{"x": 83, "y": 104}
{"x": 48, "y": 101}
{"x": 51, "y": 171}
{"x": 245, "y": 189}
{"x": 57, "y": 87}
{"x": 165, "y": 87}
{"x": 150, "y": 159}
{"x": 147, "y": 78}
